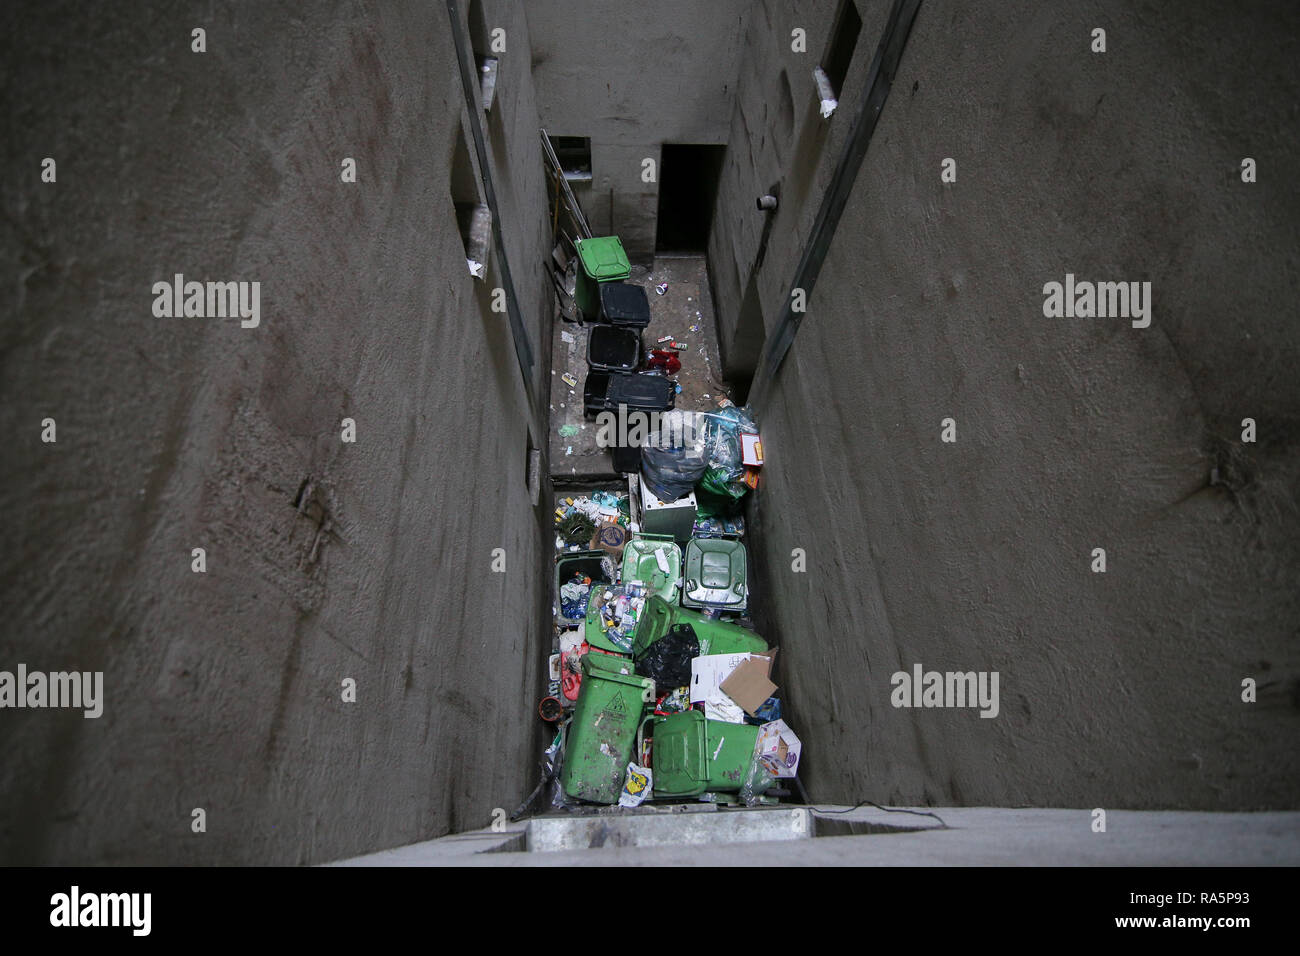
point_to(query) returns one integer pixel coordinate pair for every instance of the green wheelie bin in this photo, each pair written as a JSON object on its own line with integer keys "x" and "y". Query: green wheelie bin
{"x": 600, "y": 259}
{"x": 618, "y": 640}
{"x": 715, "y": 637}
{"x": 693, "y": 755}
{"x": 715, "y": 575}
{"x": 641, "y": 562}
{"x": 603, "y": 733}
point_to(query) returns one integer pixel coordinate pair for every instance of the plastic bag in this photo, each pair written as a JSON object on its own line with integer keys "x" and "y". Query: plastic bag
{"x": 668, "y": 661}
{"x": 550, "y": 786}
{"x": 756, "y": 783}
{"x": 671, "y": 473}
{"x": 726, "y": 469}
{"x": 675, "y": 701}
{"x": 636, "y": 786}
{"x": 673, "y": 458}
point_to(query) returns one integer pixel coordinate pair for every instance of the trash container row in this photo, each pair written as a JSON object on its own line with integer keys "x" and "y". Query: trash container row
{"x": 648, "y": 717}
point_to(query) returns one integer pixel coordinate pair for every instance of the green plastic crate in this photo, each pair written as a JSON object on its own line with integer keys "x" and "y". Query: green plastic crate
{"x": 603, "y": 733}
{"x": 693, "y": 754}
{"x": 715, "y": 637}
{"x": 640, "y": 564}
{"x": 600, "y": 259}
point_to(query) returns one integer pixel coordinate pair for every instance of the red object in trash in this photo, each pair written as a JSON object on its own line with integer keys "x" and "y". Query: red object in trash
{"x": 664, "y": 359}
{"x": 571, "y": 671}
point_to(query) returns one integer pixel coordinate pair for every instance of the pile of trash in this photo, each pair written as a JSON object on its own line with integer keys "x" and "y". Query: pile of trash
{"x": 659, "y": 688}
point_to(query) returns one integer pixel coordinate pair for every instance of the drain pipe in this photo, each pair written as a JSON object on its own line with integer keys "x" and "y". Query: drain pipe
{"x": 469, "y": 81}
{"x": 880, "y": 79}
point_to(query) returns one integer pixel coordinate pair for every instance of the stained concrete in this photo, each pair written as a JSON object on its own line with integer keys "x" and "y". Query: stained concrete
{"x": 1118, "y": 689}
{"x": 685, "y": 312}
{"x": 962, "y": 836}
{"x": 373, "y": 560}
{"x": 325, "y": 561}
{"x": 632, "y": 77}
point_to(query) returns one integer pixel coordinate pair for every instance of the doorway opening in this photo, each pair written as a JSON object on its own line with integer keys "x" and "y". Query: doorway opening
{"x": 688, "y": 186}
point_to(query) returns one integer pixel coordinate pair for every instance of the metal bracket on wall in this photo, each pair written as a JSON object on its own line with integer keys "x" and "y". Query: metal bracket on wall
{"x": 469, "y": 81}
{"x": 880, "y": 79}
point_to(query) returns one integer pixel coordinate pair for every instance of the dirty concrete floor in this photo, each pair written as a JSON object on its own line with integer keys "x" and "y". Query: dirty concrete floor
{"x": 684, "y": 312}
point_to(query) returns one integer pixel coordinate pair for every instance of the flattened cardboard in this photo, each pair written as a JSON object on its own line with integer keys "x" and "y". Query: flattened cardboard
{"x": 750, "y": 684}
{"x": 708, "y": 671}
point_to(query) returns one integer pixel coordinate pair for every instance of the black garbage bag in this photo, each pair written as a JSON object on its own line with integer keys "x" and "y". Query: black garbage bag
{"x": 668, "y": 660}
{"x": 671, "y": 473}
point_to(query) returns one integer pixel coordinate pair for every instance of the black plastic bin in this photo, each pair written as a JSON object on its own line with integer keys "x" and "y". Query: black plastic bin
{"x": 606, "y": 391}
{"x": 627, "y": 459}
{"x": 624, "y": 304}
{"x": 611, "y": 349}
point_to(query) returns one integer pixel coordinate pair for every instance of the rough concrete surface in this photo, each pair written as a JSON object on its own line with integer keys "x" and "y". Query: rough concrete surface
{"x": 632, "y": 77}
{"x": 966, "y": 836}
{"x": 325, "y": 560}
{"x": 1118, "y": 689}
{"x": 373, "y": 560}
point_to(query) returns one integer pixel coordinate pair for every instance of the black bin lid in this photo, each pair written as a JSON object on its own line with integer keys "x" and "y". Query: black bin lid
{"x": 613, "y": 349}
{"x": 650, "y": 392}
{"x": 624, "y": 304}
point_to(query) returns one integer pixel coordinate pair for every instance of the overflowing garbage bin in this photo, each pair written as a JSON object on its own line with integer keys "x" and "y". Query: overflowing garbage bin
{"x": 655, "y": 561}
{"x": 576, "y": 572}
{"x": 715, "y": 636}
{"x": 651, "y": 693}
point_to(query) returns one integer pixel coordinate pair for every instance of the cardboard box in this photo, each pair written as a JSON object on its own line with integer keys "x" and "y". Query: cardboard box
{"x": 778, "y": 749}
{"x": 610, "y": 538}
{"x": 707, "y": 674}
{"x": 750, "y": 683}
{"x": 751, "y": 449}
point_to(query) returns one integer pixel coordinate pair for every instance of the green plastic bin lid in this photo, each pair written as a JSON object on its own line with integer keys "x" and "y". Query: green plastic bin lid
{"x": 640, "y": 564}
{"x": 609, "y": 669}
{"x": 715, "y": 637}
{"x": 609, "y": 664}
{"x": 715, "y": 573}
{"x": 603, "y": 258}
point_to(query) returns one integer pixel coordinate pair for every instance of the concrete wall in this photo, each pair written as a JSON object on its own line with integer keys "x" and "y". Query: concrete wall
{"x": 223, "y": 689}
{"x": 1116, "y": 689}
{"x": 633, "y": 77}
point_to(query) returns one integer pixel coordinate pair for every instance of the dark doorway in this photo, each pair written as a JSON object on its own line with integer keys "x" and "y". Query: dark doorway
{"x": 688, "y": 185}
